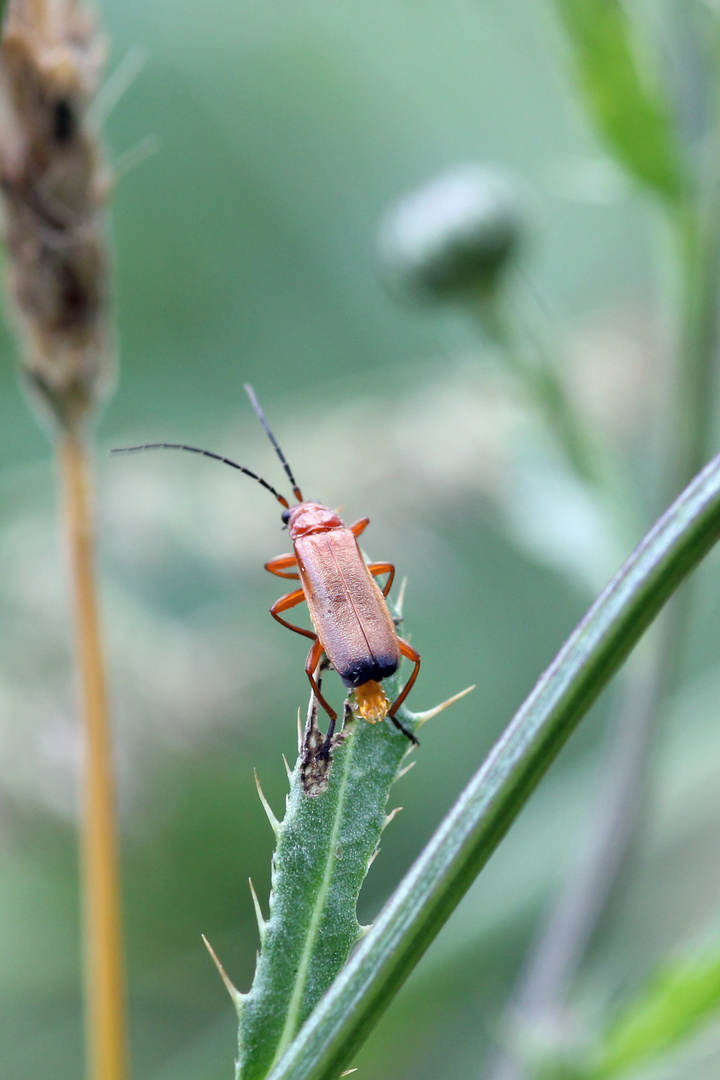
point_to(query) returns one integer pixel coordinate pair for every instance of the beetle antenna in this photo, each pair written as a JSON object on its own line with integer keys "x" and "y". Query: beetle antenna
{"x": 205, "y": 453}
{"x": 256, "y": 406}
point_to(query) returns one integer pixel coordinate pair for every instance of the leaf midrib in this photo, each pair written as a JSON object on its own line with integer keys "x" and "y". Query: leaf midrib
{"x": 292, "y": 1019}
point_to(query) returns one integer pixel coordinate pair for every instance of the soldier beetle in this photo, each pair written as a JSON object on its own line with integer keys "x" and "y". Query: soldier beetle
{"x": 352, "y": 625}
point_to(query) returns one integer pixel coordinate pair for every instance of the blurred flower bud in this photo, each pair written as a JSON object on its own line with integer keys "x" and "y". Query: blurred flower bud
{"x": 456, "y": 234}
{"x": 53, "y": 188}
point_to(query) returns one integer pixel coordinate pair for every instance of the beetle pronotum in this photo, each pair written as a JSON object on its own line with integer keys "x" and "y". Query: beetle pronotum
{"x": 351, "y": 622}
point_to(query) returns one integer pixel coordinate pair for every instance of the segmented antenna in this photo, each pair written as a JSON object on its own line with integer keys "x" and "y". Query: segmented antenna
{"x": 205, "y": 453}
{"x": 254, "y": 402}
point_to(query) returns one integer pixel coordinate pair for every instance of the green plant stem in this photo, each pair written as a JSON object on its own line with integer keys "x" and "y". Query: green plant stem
{"x": 699, "y": 259}
{"x": 618, "y": 811}
{"x": 514, "y": 324}
{"x": 535, "y": 367}
{"x": 102, "y": 940}
{"x": 696, "y": 233}
{"x": 696, "y": 225}
{"x": 539, "y": 1002}
{"x": 496, "y": 794}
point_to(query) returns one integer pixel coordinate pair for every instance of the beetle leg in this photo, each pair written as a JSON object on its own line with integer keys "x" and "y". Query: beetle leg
{"x": 407, "y": 651}
{"x": 280, "y": 563}
{"x": 311, "y": 664}
{"x": 291, "y": 600}
{"x": 376, "y": 568}
{"x": 359, "y": 526}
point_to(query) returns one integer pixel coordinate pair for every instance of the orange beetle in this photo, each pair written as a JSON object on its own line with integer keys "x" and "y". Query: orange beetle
{"x": 351, "y": 622}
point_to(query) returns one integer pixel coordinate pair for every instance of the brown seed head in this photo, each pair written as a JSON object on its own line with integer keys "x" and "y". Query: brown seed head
{"x": 53, "y": 189}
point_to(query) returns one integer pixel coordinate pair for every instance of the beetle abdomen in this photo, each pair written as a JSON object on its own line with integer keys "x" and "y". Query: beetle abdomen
{"x": 347, "y": 609}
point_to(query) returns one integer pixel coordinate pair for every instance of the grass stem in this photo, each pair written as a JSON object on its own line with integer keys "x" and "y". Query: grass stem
{"x": 103, "y": 967}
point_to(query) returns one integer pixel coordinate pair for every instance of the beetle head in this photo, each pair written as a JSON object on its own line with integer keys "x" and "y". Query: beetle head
{"x": 310, "y": 517}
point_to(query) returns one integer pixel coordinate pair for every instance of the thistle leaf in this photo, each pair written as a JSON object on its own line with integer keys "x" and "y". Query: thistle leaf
{"x": 336, "y": 812}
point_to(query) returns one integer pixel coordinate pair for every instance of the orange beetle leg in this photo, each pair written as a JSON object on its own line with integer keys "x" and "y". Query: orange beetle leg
{"x": 314, "y": 658}
{"x": 280, "y": 563}
{"x": 290, "y": 601}
{"x": 376, "y": 568}
{"x": 311, "y": 664}
{"x": 359, "y": 526}
{"x": 407, "y": 651}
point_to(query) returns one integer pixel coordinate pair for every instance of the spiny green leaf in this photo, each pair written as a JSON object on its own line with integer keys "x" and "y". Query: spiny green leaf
{"x": 325, "y": 844}
{"x": 624, "y": 101}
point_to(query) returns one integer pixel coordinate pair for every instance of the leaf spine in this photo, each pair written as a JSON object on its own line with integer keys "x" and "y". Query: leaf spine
{"x": 423, "y": 717}
{"x": 406, "y": 770}
{"x": 258, "y": 910}
{"x": 234, "y": 993}
{"x": 274, "y": 823}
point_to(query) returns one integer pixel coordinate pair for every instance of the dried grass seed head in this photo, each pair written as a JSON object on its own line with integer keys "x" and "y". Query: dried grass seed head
{"x": 54, "y": 186}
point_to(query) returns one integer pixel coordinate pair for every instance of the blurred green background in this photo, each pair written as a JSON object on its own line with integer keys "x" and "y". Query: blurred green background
{"x": 246, "y": 251}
